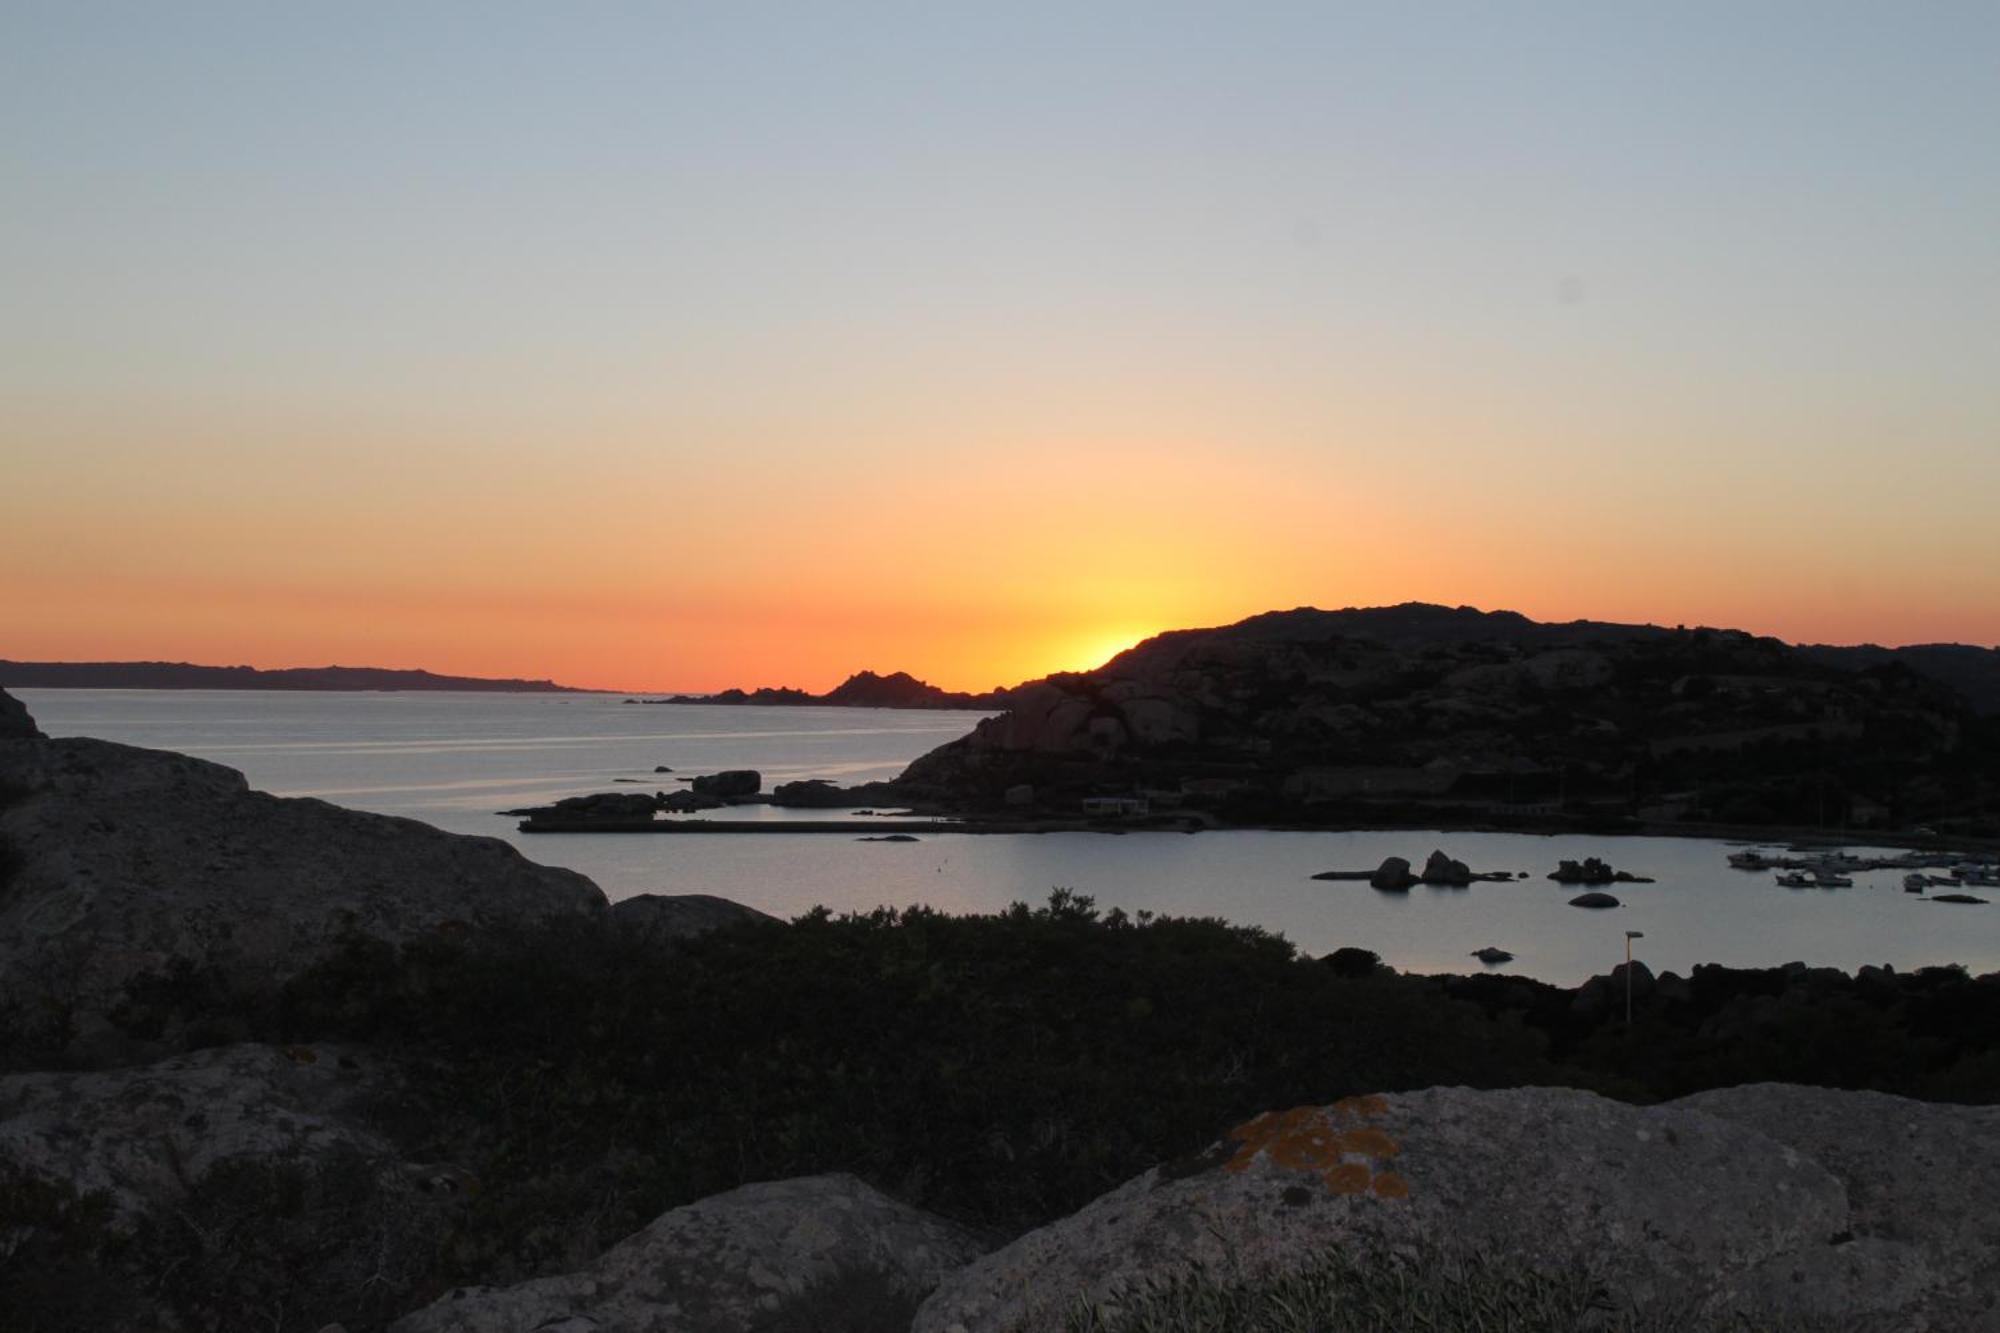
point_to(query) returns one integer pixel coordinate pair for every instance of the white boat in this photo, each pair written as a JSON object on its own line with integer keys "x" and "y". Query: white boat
{"x": 1750, "y": 861}
{"x": 1826, "y": 879}
{"x": 1797, "y": 879}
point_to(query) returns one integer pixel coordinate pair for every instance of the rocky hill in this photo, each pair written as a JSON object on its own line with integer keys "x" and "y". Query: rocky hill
{"x": 1436, "y": 714}
{"x": 188, "y": 676}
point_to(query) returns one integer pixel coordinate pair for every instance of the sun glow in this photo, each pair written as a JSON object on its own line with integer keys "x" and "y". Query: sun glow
{"x": 1087, "y": 653}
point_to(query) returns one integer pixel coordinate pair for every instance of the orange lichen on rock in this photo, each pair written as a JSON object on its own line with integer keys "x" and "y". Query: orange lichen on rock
{"x": 1371, "y": 1141}
{"x": 1325, "y": 1142}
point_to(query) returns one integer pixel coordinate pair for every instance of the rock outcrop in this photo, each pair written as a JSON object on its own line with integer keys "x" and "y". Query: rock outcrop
{"x": 828, "y": 1251}
{"x": 1755, "y": 1200}
{"x": 1592, "y": 870}
{"x": 15, "y": 724}
{"x": 142, "y": 1136}
{"x": 658, "y": 917}
{"x": 820, "y": 794}
{"x": 598, "y": 807}
{"x": 122, "y": 864}
{"x": 1919, "y": 1178}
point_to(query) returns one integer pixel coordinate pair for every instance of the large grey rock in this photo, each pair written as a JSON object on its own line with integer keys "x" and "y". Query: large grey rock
{"x": 1920, "y": 1178}
{"x": 143, "y": 1135}
{"x": 15, "y": 723}
{"x": 733, "y": 1262}
{"x": 125, "y": 863}
{"x": 1664, "y": 1203}
{"x": 676, "y": 916}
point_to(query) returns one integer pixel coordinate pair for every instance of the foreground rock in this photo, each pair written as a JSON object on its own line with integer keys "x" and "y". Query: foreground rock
{"x": 1780, "y": 1200}
{"x": 122, "y": 864}
{"x": 143, "y": 1136}
{"x": 1920, "y": 1179}
{"x": 819, "y": 1252}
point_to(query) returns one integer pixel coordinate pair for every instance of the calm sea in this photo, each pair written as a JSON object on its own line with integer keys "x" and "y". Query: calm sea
{"x": 454, "y": 759}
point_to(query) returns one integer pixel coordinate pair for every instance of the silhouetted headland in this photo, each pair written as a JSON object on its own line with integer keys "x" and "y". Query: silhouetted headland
{"x": 1454, "y": 717}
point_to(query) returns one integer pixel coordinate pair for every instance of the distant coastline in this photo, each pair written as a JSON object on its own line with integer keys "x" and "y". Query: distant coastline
{"x": 188, "y": 676}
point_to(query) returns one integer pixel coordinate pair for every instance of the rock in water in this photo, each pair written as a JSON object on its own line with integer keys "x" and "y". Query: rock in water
{"x": 1393, "y": 875}
{"x": 1593, "y": 900}
{"x": 15, "y": 723}
{"x": 732, "y": 1263}
{"x": 126, "y": 863}
{"x": 730, "y": 783}
{"x": 1767, "y": 1201}
{"x": 603, "y": 806}
{"x": 1442, "y": 871}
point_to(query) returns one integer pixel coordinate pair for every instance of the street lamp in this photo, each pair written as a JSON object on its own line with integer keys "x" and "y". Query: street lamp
{"x": 1630, "y": 935}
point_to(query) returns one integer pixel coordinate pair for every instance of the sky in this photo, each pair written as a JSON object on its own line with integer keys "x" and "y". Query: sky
{"x": 685, "y": 346}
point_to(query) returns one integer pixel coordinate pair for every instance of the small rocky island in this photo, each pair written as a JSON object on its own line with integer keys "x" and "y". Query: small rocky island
{"x": 863, "y": 689}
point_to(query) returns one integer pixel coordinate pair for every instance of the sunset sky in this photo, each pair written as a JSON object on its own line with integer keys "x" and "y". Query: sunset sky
{"x": 682, "y": 346}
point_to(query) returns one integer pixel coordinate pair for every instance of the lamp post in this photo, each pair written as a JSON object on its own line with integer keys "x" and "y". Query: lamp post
{"x": 1630, "y": 935}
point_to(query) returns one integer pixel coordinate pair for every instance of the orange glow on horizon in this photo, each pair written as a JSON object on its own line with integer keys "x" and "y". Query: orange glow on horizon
{"x": 971, "y": 561}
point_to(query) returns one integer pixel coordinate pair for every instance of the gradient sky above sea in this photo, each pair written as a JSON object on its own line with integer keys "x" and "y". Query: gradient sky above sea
{"x": 681, "y": 346}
